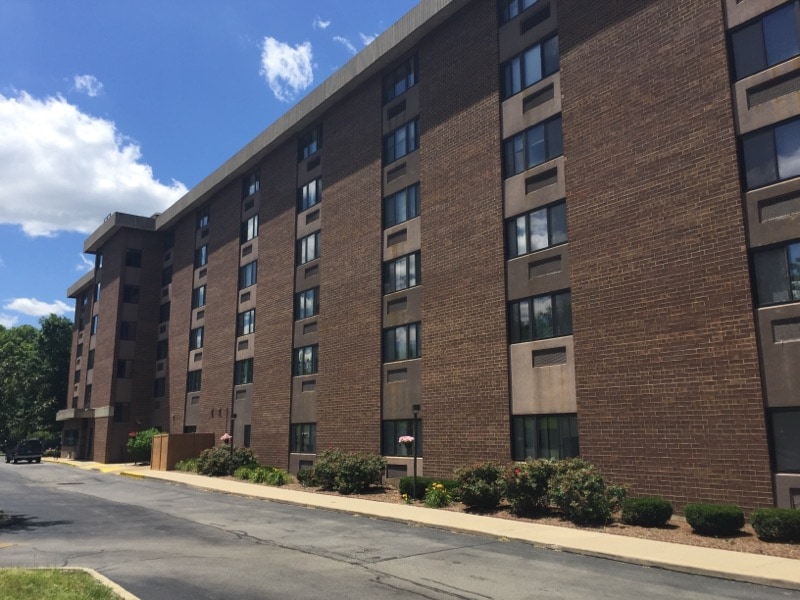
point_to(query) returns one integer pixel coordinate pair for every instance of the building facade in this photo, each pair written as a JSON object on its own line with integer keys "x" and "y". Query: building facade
{"x": 530, "y": 228}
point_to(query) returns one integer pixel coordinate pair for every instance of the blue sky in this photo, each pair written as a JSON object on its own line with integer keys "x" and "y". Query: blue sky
{"x": 124, "y": 105}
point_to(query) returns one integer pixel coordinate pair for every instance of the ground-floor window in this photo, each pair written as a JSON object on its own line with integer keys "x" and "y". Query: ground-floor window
{"x": 545, "y": 436}
{"x": 786, "y": 439}
{"x": 391, "y": 433}
{"x": 304, "y": 438}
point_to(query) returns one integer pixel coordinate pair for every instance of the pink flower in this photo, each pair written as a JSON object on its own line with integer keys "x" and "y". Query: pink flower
{"x": 406, "y": 439}
{"x": 225, "y": 438}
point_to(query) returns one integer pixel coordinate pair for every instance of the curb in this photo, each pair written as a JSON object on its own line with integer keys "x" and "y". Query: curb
{"x": 114, "y": 587}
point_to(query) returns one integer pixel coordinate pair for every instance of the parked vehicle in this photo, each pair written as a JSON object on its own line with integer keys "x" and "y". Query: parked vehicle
{"x": 30, "y": 450}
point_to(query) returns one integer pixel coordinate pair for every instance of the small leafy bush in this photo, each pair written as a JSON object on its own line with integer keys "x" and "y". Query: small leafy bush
{"x": 140, "y": 445}
{"x": 714, "y": 519}
{"x": 579, "y": 492}
{"x": 52, "y": 453}
{"x": 219, "y": 461}
{"x": 646, "y": 512}
{"x": 406, "y": 486}
{"x": 481, "y": 486}
{"x": 348, "y": 472}
{"x": 326, "y": 468}
{"x": 262, "y": 474}
{"x": 527, "y": 485}
{"x": 189, "y": 465}
{"x": 776, "y": 524}
{"x": 306, "y": 478}
{"x": 437, "y": 496}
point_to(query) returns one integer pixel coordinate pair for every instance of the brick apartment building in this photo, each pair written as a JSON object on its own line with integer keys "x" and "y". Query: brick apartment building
{"x": 557, "y": 226}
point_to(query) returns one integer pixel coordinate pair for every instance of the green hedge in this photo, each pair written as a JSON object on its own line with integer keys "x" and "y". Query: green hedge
{"x": 777, "y": 524}
{"x": 714, "y": 519}
{"x": 652, "y": 511}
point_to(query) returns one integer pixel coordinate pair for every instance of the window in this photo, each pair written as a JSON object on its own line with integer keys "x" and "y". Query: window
{"x": 194, "y": 380}
{"x": 76, "y": 377}
{"x": 162, "y": 349}
{"x": 772, "y": 154}
{"x": 402, "y": 78}
{"x": 84, "y": 300}
{"x": 402, "y": 273}
{"x": 536, "y": 230}
{"x": 308, "y": 248}
{"x": 122, "y": 412}
{"x": 401, "y": 141}
{"x": 306, "y": 304}
{"x": 540, "y": 317}
{"x": 309, "y": 195}
{"x": 98, "y": 260}
{"x": 199, "y": 296}
{"x": 533, "y": 146}
{"x": 166, "y": 276}
{"x": 248, "y": 275}
{"x": 402, "y": 206}
{"x": 201, "y": 256}
{"x": 97, "y": 291}
{"x": 130, "y": 294}
{"x": 309, "y": 143}
{"x": 778, "y": 274}
{"x": 163, "y": 312}
{"x": 249, "y": 229}
{"x": 196, "y": 338}
{"x": 124, "y": 369}
{"x": 785, "y": 429}
{"x": 90, "y": 360}
{"x": 402, "y": 343}
{"x": 87, "y": 396}
{"x": 251, "y": 183}
{"x": 766, "y": 41}
{"x": 133, "y": 258}
{"x": 303, "y": 438}
{"x": 169, "y": 240}
{"x": 510, "y": 9}
{"x": 243, "y": 371}
{"x": 203, "y": 216}
{"x": 533, "y": 65}
{"x": 160, "y": 387}
{"x": 545, "y": 436}
{"x": 391, "y": 432}
{"x": 305, "y": 360}
{"x": 246, "y": 322}
{"x": 127, "y": 330}
{"x": 93, "y": 328}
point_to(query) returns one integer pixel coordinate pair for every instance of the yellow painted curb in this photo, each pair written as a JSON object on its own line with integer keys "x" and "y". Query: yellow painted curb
{"x": 131, "y": 475}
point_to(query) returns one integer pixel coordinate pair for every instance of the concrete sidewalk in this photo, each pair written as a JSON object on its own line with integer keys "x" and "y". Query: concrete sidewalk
{"x": 738, "y": 566}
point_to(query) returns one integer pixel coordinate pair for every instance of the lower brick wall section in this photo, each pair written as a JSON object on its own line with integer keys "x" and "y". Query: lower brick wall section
{"x": 668, "y": 383}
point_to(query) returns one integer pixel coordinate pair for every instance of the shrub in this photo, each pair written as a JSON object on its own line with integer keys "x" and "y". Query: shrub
{"x": 219, "y": 461}
{"x": 269, "y": 476}
{"x": 326, "y": 468}
{"x": 306, "y": 477}
{"x": 481, "y": 487}
{"x": 776, "y": 524}
{"x": 616, "y": 495}
{"x": 579, "y": 492}
{"x": 714, "y": 519}
{"x": 244, "y": 473}
{"x": 646, "y": 512}
{"x": 406, "y": 486}
{"x": 348, "y": 473}
{"x": 52, "y": 453}
{"x": 527, "y": 485}
{"x": 140, "y": 445}
{"x": 189, "y": 465}
{"x": 437, "y": 496}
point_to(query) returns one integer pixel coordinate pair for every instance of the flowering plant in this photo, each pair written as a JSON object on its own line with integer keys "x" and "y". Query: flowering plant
{"x": 406, "y": 439}
{"x": 225, "y": 438}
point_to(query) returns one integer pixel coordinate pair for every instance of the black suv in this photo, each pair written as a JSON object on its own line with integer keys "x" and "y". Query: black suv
{"x": 30, "y": 450}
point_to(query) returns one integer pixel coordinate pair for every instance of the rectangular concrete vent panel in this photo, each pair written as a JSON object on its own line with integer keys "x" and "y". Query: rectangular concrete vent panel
{"x": 167, "y": 256}
{"x": 312, "y": 271}
{"x": 156, "y": 404}
{"x": 202, "y": 273}
{"x": 397, "y": 237}
{"x": 794, "y": 494}
{"x": 241, "y": 394}
{"x": 165, "y": 292}
{"x": 201, "y": 314}
{"x": 160, "y": 366}
{"x": 397, "y": 305}
{"x": 537, "y": 18}
{"x": 198, "y": 357}
{"x": 249, "y": 204}
{"x": 786, "y": 331}
{"x": 204, "y": 233}
{"x": 310, "y": 328}
{"x": 541, "y": 180}
{"x": 162, "y": 329}
{"x": 396, "y": 471}
{"x": 778, "y": 208}
{"x": 194, "y": 400}
{"x": 398, "y": 171}
{"x": 549, "y": 358}
{"x": 538, "y": 98}
{"x": 309, "y": 386}
{"x": 245, "y": 297}
{"x": 396, "y": 110}
{"x": 772, "y": 90}
{"x": 243, "y": 345}
{"x": 396, "y": 375}
{"x": 548, "y": 266}
{"x": 306, "y": 464}
{"x": 312, "y": 216}
{"x": 247, "y": 250}
{"x": 313, "y": 164}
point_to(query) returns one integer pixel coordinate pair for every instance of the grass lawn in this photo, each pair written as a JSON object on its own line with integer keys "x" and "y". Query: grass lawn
{"x": 52, "y": 584}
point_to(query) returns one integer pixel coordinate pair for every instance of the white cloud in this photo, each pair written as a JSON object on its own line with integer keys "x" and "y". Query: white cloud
{"x": 7, "y": 320}
{"x": 88, "y": 84}
{"x": 36, "y": 308}
{"x": 63, "y": 170}
{"x": 287, "y": 70}
{"x": 85, "y": 265}
{"x": 320, "y": 24}
{"x": 346, "y": 43}
{"x": 367, "y": 39}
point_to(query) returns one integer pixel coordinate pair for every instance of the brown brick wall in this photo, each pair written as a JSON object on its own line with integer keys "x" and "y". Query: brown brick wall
{"x": 465, "y": 401}
{"x": 669, "y": 392}
{"x": 349, "y": 385}
{"x": 272, "y": 362}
